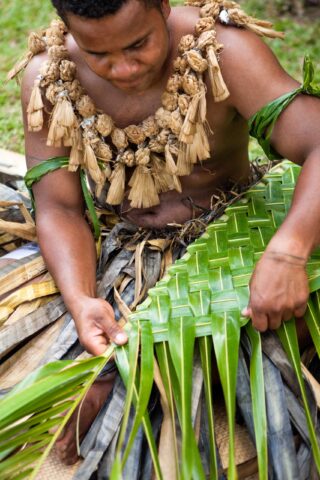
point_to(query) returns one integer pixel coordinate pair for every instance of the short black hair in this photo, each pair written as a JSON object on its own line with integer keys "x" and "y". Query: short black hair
{"x": 94, "y": 8}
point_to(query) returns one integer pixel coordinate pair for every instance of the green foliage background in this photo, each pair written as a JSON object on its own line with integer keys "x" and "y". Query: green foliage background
{"x": 19, "y": 17}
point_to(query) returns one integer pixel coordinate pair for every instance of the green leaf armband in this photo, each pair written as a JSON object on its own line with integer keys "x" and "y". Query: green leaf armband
{"x": 261, "y": 124}
{"x": 38, "y": 171}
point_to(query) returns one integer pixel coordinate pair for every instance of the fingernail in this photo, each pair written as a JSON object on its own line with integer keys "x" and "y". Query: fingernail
{"x": 121, "y": 337}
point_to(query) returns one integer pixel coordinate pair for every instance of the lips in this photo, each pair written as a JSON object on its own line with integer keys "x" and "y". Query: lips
{"x": 129, "y": 84}
{"x": 125, "y": 83}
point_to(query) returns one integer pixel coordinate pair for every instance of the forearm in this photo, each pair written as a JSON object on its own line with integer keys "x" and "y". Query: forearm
{"x": 279, "y": 284}
{"x": 68, "y": 248}
{"x": 299, "y": 234}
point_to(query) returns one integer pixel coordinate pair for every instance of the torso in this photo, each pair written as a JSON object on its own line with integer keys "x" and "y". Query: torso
{"x": 229, "y": 141}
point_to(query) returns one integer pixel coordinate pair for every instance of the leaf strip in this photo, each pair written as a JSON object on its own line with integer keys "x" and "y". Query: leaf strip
{"x": 288, "y": 337}
{"x": 226, "y": 338}
{"x": 205, "y": 344}
{"x": 258, "y": 401}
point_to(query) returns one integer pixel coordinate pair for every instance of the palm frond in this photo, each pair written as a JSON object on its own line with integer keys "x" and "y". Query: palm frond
{"x": 196, "y": 305}
{"x": 34, "y": 407}
{"x": 258, "y": 401}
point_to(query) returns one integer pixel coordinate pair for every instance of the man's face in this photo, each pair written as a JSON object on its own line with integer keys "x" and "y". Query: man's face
{"x": 128, "y": 48}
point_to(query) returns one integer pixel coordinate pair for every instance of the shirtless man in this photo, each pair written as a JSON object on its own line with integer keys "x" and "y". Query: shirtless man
{"x": 124, "y": 56}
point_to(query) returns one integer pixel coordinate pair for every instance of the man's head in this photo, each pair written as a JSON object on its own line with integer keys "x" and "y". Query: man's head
{"x": 94, "y": 8}
{"x": 129, "y": 47}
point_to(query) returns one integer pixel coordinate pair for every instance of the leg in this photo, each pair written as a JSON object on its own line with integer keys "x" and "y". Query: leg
{"x": 97, "y": 395}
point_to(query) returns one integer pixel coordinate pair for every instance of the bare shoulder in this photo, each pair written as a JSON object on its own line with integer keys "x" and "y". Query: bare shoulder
{"x": 30, "y": 74}
{"x": 183, "y": 20}
{"x": 252, "y": 72}
{"x": 36, "y": 141}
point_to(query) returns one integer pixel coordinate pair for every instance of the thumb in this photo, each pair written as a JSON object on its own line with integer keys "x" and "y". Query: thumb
{"x": 97, "y": 345}
{"x": 246, "y": 312}
{"x": 111, "y": 327}
{"x": 115, "y": 332}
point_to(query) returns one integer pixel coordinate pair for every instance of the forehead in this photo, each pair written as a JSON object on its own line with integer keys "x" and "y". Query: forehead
{"x": 130, "y": 22}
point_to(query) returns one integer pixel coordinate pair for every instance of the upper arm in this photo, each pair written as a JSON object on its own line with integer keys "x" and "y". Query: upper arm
{"x": 59, "y": 189}
{"x": 255, "y": 78}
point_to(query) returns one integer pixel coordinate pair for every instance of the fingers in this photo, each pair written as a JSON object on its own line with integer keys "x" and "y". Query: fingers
{"x": 275, "y": 321}
{"x": 272, "y": 318}
{"x": 113, "y": 330}
{"x": 275, "y": 299}
{"x": 300, "y": 310}
{"x": 95, "y": 345}
{"x": 247, "y": 312}
{"x": 260, "y": 321}
{"x": 278, "y": 291}
{"x": 97, "y": 327}
{"x": 115, "y": 333}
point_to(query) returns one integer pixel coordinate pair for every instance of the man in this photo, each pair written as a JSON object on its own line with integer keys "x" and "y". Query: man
{"x": 124, "y": 53}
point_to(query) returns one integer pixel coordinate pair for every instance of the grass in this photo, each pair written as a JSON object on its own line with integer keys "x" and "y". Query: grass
{"x": 19, "y": 17}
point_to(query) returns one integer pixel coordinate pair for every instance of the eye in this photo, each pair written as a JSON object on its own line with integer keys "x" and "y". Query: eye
{"x": 138, "y": 45}
{"x": 100, "y": 54}
{"x": 95, "y": 54}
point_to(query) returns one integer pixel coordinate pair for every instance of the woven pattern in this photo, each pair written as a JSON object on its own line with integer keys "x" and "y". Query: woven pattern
{"x": 203, "y": 295}
{"x": 53, "y": 469}
{"x": 245, "y": 449}
{"x": 213, "y": 276}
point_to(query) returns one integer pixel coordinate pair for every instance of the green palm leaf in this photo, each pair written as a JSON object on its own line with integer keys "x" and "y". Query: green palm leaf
{"x": 262, "y": 123}
{"x": 198, "y": 302}
{"x": 206, "y": 362}
{"x": 226, "y": 339}
{"x": 312, "y": 318}
{"x": 258, "y": 401}
{"x": 128, "y": 367}
{"x": 52, "y": 164}
{"x": 288, "y": 336}
{"x": 29, "y": 411}
{"x": 181, "y": 344}
{"x": 169, "y": 378}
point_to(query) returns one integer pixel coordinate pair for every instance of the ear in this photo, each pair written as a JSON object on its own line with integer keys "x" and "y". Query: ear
{"x": 165, "y": 8}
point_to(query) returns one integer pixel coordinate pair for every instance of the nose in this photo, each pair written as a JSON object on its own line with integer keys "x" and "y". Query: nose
{"x": 123, "y": 69}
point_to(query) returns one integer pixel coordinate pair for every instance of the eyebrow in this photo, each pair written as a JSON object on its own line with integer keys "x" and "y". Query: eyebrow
{"x": 124, "y": 48}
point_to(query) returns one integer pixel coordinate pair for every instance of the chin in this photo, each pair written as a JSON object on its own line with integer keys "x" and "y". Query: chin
{"x": 132, "y": 89}
{"x": 136, "y": 86}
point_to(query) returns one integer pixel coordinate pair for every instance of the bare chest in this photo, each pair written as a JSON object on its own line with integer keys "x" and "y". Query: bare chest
{"x": 126, "y": 109}
{"x": 133, "y": 109}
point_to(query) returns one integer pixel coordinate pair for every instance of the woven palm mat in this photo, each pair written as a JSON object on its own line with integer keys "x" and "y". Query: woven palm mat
{"x": 246, "y": 457}
{"x": 278, "y": 192}
{"x": 53, "y": 469}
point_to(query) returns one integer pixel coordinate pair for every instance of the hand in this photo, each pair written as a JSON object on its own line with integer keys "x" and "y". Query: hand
{"x": 96, "y": 325}
{"x": 278, "y": 290}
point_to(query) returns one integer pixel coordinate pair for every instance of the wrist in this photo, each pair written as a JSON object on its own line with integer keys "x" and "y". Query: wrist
{"x": 287, "y": 245}
{"x": 285, "y": 257}
{"x": 76, "y": 302}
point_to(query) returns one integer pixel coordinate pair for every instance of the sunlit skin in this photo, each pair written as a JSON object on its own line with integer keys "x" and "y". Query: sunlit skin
{"x": 123, "y": 62}
{"x": 131, "y": 71}
{"x": 134, "y": 61}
